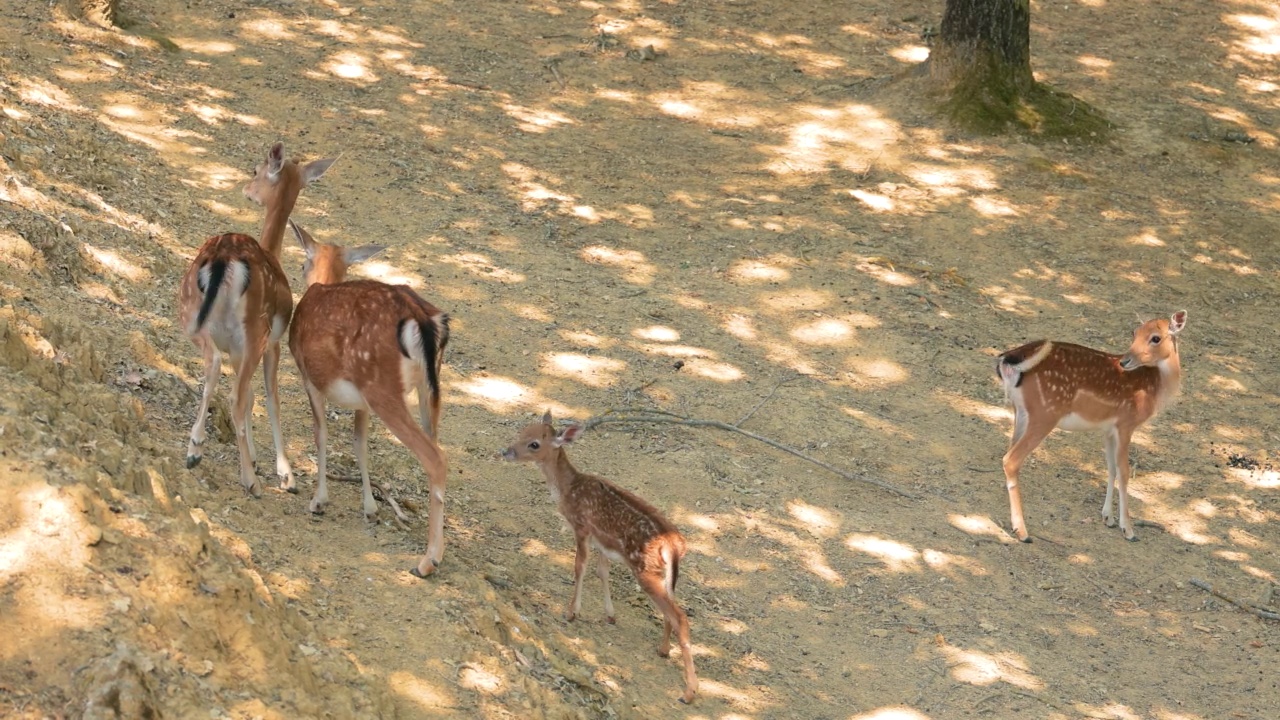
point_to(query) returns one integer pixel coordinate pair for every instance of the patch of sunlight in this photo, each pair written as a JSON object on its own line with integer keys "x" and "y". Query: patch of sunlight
{"x": 979, "y": 525}
{"x": 886, "y": 275}
{"x": 757, "y": 271}
{"x": 680, "y": 109}
{"x": 111, "y": 261}
{"x": 703, "y": 522}
{"x": 638, "y": 270}
{"x": 824, "y": 331}
{"x": 657, "y": 333}
{"x": 679, "y": 351}
{"x": 850, "y": 138}
{"x": 1259, "y": 573}
{"x": 205, "y": 47}
{"x": 1108, "y": 711}
{"x": 1188, "y": 525}
{"x": 874, "y": 201}
{"x": 1080, "y": 559}
{"x": 503, "y": 395}
{"x": 899, "y": 712}
{"x": 483, "y": 267}
{"x": 267, "y": 29}
{"x": 214, "y": 114}
{"x": 898, "y": 557}
{"x": 619, "y": 95}
{"x": 1147, "y": 237}
{"x": 420, "y": 692}
{"x": 1094, "y": 66}
{"x": 994, "y": 414}
{"x": 43, "y": 92}
{"x": 718, "y": 371}
{"x": 1256, "y": 479}
{"x": 943, "y": 561}
{"x": 741, "y": 327}
{"x": 387, "y": 273}
{"x": 732, "y": 626}
{"x": 951, "y": 180}
{"x": 480, "y": 679}
{"x": 1163, "y": 714}
{"x": 876, "y": 423}
{"x": 535, "y": 548}
{"x": 590, "y": 339}
{"x": 749, "y": 700}
{"x": 1227, "y": 384}
{"x": 910, "y": 54}
{"x": 980, "y": 668}
{"x": 530, "y": 312}
{"x": 988, "y": 206}
{"x": 537, "y": 121}
{"x": 819, "y": 521}
{"x": 866, "y": 372}
{"x": 1267, "y": 40}
{"x": 349, "y": 65}
{"x": 1011, "y": 300}
{"x": 597, "y": 372}
{"x": 816, "y": 563}
{"x": 586, "y": 212}
{"x": 795, "y": 300}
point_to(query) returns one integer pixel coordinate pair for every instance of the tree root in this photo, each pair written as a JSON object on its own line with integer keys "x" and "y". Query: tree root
{"x": 1264, "y": 614}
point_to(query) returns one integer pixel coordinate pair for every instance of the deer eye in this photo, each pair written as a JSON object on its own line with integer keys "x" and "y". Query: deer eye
{"x": 534, "y": 445}
{"x": 1155, "y": 339}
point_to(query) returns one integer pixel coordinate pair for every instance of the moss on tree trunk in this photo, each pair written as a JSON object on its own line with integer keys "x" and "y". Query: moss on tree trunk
{"x": 981, "y": 65}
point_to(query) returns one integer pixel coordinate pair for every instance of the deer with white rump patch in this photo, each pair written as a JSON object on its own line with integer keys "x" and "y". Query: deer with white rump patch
{"x": 235, "y": 299}
{"x": 364, "y": 344}
{"x": 1072, "y": 387}
{"x": 619, "y": 525}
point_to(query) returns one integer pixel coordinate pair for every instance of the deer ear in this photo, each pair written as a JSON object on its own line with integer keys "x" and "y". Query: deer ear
{"x": 546, "y": 418}
{"x": 1177, "y": 322}
{"x": 304, "y": 238}
{"x": 568, "y": 435}
{"x": 275, "y": 159}
{"x": 313, "y": 170}
{"x": 360, "y": 254}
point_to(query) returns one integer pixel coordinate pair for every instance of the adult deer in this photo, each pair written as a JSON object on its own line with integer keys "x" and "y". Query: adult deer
{"x": 235, "y": 299}
{"x": 1053, "y": 384}
{"x": 619, "y": 525}
{"x": 363, "y": 344}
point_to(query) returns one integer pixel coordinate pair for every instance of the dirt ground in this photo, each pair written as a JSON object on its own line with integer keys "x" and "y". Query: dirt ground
{"x": 749, "y": 221}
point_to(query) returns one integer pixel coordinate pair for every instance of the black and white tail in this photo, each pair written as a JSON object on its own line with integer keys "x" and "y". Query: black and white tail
{"x": 210, "y": 280}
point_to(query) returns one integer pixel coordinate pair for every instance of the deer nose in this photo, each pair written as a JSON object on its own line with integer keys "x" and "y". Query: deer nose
{"x": 1128, "y": 362}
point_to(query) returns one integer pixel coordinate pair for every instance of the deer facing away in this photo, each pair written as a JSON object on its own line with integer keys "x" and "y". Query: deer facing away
{"x": 619, "y": 525}
{"x": 1072, "y": 387}
{"x": 235, "y": 299}
{"x": 363, "y": 344}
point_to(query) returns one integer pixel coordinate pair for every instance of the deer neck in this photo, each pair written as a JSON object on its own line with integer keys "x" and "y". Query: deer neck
{"x": 1170, "y": 378}
{"x": 275, "y": 222}
{"x": 559, "y": 473}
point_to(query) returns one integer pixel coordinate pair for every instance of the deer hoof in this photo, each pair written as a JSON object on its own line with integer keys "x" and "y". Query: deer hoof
{"x": 611, "y": 620}
{"x": 192, "y": 461}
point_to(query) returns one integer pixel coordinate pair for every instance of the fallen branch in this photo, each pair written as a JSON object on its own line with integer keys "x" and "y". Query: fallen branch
{"x": 398, "y": 515}
{"x": 1264, "y": 614}
{"x": 780, "y": 383}
{"x": 641, "y": 415}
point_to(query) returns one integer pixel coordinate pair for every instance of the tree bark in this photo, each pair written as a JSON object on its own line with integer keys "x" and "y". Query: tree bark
{"x": 985, "y": 41}
{"x": 99, "y": 12}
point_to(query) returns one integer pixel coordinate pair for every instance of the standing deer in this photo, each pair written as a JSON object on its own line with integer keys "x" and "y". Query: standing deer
{"x": 619, "y": 525}
{"x": 1052, "y": 384}
{"x": 235, "y": 299}
{"x": 363, "y": 345}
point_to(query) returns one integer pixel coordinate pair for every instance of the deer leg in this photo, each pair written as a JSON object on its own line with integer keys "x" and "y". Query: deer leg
{"x": 579, "y": 565}
{"x": 1032, "y": 436}
{"x": 241, "y": 411}
{"x": 602, "y": 570}
{"x": 271, "y": 377}
{"x": 1122, "y": 483}
{"x": 320, "y": 426}
{"x": 672, "y": 616}
{"x": 212, "y": 371}
{"x": 1111, "y": 440}
{"x": 428, "y": 409}
{"x": 391, "y": 408}
{"x": 362, "y": 460}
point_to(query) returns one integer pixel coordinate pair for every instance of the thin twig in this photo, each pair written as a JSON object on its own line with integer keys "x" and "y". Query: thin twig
{"x": 551, "y": 65}
{"x": 641, "y": 415}
{"x": 397, "y": 514}
{"x": 1264, "y": 614}
{"x": 780, "y": 383}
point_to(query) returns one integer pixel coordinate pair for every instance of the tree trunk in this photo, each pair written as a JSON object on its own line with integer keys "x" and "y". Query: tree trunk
{"x": 987, "y": 42}
{"x": 99, "y": 12}
{"x": 981, "y": 65}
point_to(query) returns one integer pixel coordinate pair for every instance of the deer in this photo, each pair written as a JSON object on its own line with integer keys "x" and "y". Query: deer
{"x": 1062, "y": 385}
{"x": 619, "y": 525}
{"x": 234, "y": 298}
{"x": 363, "y": 345}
